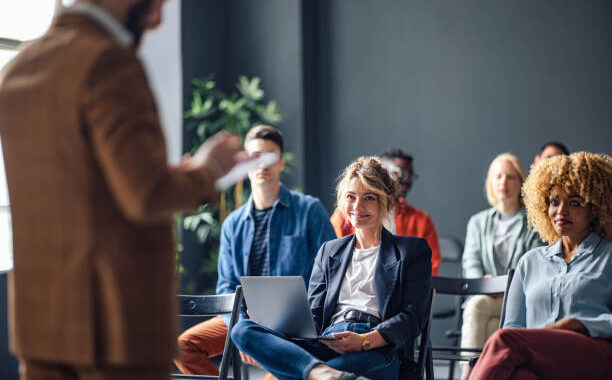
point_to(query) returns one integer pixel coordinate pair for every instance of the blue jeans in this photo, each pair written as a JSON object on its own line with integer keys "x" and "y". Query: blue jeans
{"x": 290, "y": 359}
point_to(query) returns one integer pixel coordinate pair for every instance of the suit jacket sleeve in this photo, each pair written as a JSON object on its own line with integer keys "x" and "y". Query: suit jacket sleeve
{"x": 121, "y": 121}
{"x": 405, "y": 326}
{"x": 317, "y": 289}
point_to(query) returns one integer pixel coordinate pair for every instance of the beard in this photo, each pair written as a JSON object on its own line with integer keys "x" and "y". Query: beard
{"x": 136, "y": 20}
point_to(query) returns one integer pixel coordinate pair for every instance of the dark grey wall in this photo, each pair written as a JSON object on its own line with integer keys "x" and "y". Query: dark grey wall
{"x": 265, "y": 42}
{"x": 252, "y": 38}
{"x": 457, "y": 82}
{"x": 453, "y": 82}
{"x": 204, "y": 30}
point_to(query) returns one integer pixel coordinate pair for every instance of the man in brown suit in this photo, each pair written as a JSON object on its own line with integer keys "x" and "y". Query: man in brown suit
{"x": 92, "y": 199}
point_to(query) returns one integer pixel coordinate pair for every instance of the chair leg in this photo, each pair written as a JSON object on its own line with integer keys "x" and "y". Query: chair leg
{"x": 237, "y": 365}
{"x": 429, "y": 372}
{"x": 451, "y": 370}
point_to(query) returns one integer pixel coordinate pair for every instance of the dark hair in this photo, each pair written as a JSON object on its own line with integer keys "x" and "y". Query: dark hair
{"x": 266, "y": 132}
{"x": 557, "y": 145}
{"x": 392, "y": 153}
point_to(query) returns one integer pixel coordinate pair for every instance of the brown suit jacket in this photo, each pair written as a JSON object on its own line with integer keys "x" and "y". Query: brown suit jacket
{"x": 92, "y": 199}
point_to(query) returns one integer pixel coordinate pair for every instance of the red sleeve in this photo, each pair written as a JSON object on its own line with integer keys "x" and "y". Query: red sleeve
{"x": 341, "y": 226}
{"x": 430, "y": 234}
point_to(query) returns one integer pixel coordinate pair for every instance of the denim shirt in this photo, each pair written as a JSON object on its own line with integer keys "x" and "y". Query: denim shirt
{"x": 546, "y": 289}
{"x": 298, "y": 226}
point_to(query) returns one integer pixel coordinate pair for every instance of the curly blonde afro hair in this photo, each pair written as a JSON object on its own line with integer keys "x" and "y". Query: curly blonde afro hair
{"x": 585, "y": 174}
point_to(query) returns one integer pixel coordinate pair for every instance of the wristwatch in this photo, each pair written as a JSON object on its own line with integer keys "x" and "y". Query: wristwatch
{"x": 365, "y": 343}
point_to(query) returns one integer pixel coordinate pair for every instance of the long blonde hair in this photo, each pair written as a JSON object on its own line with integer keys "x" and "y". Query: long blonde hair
{"x": 376, "y": 178}
{"x": 516, "y": 163}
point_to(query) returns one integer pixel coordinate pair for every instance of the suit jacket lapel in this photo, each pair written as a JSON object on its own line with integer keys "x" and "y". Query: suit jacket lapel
{"x": 337, "y": 266}
{"x": 386, "y": 274}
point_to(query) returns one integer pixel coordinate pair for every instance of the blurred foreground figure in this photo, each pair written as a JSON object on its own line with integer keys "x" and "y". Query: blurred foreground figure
{"x": 92, "y": 199}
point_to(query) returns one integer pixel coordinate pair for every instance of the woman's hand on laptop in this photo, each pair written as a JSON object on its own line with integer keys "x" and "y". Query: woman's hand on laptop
{"x": 246, "y": 359}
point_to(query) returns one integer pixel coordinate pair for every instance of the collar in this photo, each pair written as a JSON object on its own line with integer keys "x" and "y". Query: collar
{"x": 588, "y": 245}
{"x": 283, "y": 200}
{"x": 387, "y": 247}
{"x": 103, "y": 18}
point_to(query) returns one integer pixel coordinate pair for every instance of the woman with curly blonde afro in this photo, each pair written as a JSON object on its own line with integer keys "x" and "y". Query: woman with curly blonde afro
{"x": 559, "y": 311}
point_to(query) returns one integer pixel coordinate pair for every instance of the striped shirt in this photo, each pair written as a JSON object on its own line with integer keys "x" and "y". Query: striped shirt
{"x": 259, "y": 260}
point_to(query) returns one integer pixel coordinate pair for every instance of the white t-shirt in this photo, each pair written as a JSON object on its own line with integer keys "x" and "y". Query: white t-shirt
{"x": 506, "y": 226}
{"x": 357, "y": 290}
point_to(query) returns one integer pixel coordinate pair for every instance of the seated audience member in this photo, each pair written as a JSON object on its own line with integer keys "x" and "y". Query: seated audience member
{"x": 276, "y": 232}
{"x": 559, "y": 311}
{"x": 496, "y": 239}
{"x": 369, "y": 289}
{"x": 550, "y": 149}
{"x": 408, "y": 220}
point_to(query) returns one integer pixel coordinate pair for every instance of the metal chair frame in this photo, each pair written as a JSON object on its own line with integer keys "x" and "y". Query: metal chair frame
{"x": 202, "y": 306}
{"x": 464, "y": 287}
{"x": 424, "y": 366}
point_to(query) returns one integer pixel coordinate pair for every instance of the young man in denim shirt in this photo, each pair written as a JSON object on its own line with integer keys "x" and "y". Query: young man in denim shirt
{"x": 277, "y": 232}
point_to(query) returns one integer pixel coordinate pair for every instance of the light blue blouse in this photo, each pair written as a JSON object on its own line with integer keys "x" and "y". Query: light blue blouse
{"x": 545, "y": 289}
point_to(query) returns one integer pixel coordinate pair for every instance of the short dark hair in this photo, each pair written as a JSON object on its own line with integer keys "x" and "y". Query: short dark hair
{"x": 392, "y": 153}
{"x": 557, "y": 145}
{"x": 266, "y": 132}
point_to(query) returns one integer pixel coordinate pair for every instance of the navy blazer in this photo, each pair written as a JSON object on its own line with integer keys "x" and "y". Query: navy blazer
{"x": 402, "y": 283}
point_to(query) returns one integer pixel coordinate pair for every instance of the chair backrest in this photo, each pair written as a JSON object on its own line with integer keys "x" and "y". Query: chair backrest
{"x": 475, "y": 286}
{"x": 211, "y": 305}
{"x": 205, "y": 306}
{"x": 470, "y": 286}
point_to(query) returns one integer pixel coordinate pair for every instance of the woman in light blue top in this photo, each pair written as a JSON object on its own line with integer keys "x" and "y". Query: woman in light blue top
{"x": 561, "y": 293}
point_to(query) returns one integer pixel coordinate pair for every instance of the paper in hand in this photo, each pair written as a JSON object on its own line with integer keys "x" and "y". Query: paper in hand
{"x": 241, "y": 169}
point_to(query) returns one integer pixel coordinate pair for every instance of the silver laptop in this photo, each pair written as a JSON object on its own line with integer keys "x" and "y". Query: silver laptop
{"x": 281, "y": 304}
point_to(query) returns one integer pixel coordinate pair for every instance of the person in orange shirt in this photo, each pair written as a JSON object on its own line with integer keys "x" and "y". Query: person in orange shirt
{"x": 409, "y": 220}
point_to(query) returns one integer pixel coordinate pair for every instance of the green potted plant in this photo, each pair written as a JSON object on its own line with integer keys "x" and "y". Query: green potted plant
{"x": 212, "y": 111}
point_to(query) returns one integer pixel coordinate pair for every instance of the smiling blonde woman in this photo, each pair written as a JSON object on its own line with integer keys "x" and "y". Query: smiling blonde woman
{"x": 369, "y": 290}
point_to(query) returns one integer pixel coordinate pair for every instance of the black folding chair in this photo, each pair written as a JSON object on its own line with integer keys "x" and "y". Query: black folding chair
{"x": 447, "y": 311}
{"x": 209, "y": 306}
{"x": 464, "y": 287}
{"x": 423, "y": 366}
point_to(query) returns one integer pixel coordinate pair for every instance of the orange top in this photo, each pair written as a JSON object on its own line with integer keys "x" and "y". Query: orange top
{"x": 409, "y": 221}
